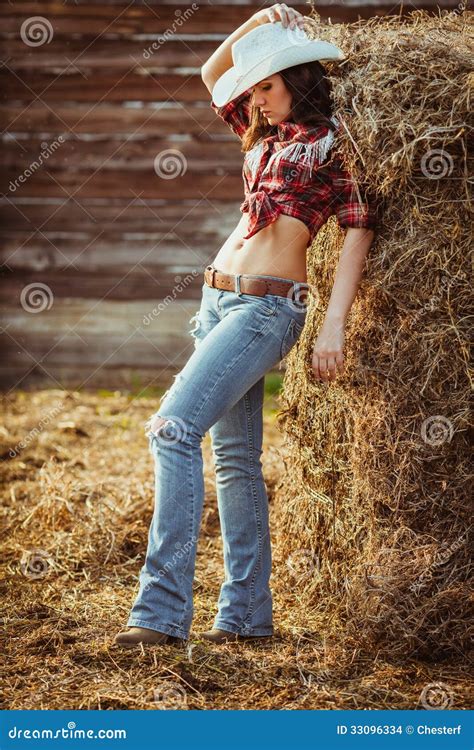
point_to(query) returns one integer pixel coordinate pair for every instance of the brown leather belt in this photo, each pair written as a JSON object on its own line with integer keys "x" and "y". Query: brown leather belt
{"x": 246, "y": 284}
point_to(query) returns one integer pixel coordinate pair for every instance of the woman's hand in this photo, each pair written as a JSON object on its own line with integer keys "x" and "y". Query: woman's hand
{"x": 328, "y": 351}
{"x": 280, "y": 12}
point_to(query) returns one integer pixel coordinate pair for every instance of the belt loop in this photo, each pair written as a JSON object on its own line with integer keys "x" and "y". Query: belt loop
{"x": 237, "y": 284}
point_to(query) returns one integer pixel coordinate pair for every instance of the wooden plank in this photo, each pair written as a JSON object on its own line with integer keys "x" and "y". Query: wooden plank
{"x": 96, "y": 320}
{"x": 123, "y": 122}
{"x": 102, "y": 183}
{"x": 132, "y": 220}
{"x": 104, "y": 85}
{"x": 110, "y": 283}
{"x": 68, "y": 53}
{"x": 154, "y": 18}
{"x": 41, "y": 252}
{"x": 126, "y": 20}
{"x": 205, "y": 154}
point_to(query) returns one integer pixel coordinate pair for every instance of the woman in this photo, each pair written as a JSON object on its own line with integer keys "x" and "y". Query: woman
{"x": 277, "y": 99}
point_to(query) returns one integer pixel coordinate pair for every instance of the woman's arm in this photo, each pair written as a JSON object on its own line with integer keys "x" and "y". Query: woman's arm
{"x": 221, "y": 60}
{"x": 328, "y": 349}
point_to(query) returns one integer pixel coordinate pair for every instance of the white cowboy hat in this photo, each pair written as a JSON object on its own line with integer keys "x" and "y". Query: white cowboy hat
{"x": 265, "y": 50}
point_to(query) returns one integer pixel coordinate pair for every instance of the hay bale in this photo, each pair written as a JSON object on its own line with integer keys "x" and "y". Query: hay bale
{"x": 377, "y": 480}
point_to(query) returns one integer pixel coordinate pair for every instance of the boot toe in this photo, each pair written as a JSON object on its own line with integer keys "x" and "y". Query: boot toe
{"x": 216, "y": 635}
{"x": 134, "y": 635}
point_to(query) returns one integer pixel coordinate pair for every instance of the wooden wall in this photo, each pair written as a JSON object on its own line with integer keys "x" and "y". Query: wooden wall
{"x": 93, "y": 237}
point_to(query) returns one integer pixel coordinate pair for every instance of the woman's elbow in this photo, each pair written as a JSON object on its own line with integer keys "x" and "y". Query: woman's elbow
{"x": 359, "y": 238}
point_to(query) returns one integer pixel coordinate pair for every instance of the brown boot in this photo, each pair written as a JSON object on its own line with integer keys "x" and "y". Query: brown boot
{"x": 225, "y": 636}
{"x": 133, "y": 636}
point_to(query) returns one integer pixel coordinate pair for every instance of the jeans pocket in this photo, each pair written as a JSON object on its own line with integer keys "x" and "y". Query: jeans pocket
{"x": 292, "y": 334}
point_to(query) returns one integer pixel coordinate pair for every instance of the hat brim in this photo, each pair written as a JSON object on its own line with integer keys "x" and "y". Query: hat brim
{"x": 231, "y": 84}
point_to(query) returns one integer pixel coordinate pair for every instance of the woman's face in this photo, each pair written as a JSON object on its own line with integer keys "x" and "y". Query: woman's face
{"x": 272, "y": 98}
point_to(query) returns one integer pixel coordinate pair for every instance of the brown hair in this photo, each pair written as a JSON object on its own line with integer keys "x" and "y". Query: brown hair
{"x": 311, "y": 101}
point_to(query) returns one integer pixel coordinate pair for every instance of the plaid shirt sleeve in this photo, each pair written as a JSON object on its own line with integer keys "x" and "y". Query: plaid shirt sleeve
{"x": 354, "y": 206}
{"x": 236, "y": 113}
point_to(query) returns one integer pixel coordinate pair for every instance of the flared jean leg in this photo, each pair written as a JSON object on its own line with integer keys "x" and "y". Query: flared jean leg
{"x": 245, "y": 601}
{"x": 238, "y": 340}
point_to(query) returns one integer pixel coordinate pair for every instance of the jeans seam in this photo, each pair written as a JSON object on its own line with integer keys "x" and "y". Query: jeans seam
{"x": 286, "y": 335}
{"x": 190, "y": 533}
{"x": 250, "y": 445}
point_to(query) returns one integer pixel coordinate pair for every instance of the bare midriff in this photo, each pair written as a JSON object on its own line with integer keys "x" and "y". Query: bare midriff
{"x": 278, "y": 249}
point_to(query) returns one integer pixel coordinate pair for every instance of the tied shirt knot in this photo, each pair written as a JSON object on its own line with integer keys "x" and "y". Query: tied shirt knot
{"x": 263, "y": 210}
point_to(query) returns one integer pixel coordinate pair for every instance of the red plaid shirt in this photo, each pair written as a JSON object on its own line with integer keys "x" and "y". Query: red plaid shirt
{"x": 299, "y": 182}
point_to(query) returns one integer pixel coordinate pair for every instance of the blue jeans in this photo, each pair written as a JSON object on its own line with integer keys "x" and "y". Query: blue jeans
{"x": 237, "y": 339}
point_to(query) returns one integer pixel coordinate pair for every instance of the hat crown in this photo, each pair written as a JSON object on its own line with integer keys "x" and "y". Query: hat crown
{"x": 259, "y": 42}
{"x": 269, "y": 39}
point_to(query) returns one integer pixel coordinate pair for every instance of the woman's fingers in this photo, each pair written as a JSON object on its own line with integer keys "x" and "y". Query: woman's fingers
{"x": 296, "y": 19}
{"x": 272, "y": 15}
{"x": 288, "y": 16}
{"x": 327, "y": 368}
{"x": 283, "y": 11}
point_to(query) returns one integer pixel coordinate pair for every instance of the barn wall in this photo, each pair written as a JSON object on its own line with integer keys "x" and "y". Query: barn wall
{"x": 93, "y": 237}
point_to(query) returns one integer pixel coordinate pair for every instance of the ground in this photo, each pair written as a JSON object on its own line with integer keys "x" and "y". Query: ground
{"x": 77, "y": 498}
